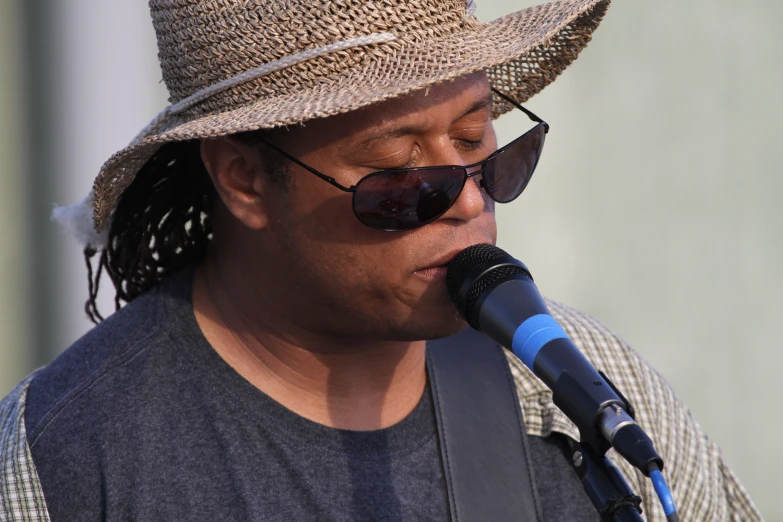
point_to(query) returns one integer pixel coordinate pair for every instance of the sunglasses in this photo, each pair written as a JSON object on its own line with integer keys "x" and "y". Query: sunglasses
{"x": 404, "y": 199}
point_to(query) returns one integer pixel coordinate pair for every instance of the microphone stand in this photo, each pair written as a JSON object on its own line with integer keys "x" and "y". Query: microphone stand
{"x": 605, "y": 485}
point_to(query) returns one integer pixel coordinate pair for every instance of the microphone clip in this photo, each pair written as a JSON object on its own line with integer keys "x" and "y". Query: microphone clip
{"x": 608, "y": 490}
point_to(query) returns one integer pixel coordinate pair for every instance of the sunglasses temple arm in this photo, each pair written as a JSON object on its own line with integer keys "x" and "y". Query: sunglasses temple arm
{"x": 518, "y": 106}
{"x": 308, "y": 168}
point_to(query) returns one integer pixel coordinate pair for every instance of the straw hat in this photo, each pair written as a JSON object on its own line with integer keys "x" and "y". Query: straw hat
{"x": 239, "y": 65}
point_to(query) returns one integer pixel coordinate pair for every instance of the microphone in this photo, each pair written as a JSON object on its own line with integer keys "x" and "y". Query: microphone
{"x": 496, "y": 295}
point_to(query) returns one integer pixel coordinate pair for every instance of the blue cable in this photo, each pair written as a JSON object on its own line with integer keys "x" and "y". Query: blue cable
{"x": 662, "y": 489}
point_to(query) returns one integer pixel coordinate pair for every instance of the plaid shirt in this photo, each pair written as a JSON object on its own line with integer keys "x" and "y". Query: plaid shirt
{"x": 21, "y": 496}
{"x": 704, "y": 488}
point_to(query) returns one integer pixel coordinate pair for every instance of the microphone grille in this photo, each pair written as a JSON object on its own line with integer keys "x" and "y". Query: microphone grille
{"x": 479, "y": 266}
{"x": 465, "y": 262}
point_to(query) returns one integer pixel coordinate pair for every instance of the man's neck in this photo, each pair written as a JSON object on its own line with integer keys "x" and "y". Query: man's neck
{"x": 356, "y": 385}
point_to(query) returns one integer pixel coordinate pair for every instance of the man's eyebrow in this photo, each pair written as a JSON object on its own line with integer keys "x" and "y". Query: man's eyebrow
{"x": 479, "y": 105}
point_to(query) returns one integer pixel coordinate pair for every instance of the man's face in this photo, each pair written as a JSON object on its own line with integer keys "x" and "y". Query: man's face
{"x": 328, "y": 273}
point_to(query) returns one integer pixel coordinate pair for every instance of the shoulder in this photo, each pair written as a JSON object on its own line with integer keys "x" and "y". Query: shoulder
{"x": 108, "y": 360}
{"x": 94, "y": 401}
{"x": 97, "y": 356}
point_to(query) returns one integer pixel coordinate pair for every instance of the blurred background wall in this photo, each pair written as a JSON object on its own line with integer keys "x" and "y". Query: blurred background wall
{"x": 655, "y": 207}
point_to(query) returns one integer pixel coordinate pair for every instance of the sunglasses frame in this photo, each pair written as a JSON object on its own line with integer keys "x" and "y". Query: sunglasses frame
{"x": 464, "y": 168}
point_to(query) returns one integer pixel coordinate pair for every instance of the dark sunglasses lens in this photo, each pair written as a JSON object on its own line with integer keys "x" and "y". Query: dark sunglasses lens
{"x": 406, "y": 200}
{"x": 507, "y": 175}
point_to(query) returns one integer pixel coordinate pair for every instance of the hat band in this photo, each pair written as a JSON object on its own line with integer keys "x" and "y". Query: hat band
{"x": 257, "y": 72}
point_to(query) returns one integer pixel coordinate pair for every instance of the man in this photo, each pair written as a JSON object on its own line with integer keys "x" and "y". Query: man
{"x": 281, "y": 233}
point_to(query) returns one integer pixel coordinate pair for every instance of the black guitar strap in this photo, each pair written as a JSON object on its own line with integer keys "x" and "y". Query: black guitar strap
{"x": 483, "y": 443}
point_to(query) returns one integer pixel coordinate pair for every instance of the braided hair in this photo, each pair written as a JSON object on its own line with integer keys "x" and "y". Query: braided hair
{"x": 163, "y": 221}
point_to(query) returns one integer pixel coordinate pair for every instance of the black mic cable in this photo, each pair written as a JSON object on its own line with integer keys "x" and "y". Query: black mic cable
{"x": 496, "y": 295}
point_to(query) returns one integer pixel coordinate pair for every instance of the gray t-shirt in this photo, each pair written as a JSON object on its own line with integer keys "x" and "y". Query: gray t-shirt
{"x": 142, "y": 420}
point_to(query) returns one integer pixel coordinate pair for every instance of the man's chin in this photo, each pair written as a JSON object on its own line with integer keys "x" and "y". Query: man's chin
{"x": 434, "y": 326}
{"x": 447, "y": 332}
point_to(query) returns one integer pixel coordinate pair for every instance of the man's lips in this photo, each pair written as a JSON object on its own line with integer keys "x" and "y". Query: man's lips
{"x": 442, "y": 261}
{"x": 436, "y": 270}
{"x": 433, "y": 273}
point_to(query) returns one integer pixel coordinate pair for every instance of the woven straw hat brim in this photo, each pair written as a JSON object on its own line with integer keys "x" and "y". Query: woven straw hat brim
{"x": 521, "y": 53}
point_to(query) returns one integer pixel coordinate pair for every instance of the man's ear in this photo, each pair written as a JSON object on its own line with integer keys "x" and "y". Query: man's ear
{"x": 237, "y": 173}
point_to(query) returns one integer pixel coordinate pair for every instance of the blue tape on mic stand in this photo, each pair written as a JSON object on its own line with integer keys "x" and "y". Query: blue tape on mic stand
{"x": 534, "y": 334}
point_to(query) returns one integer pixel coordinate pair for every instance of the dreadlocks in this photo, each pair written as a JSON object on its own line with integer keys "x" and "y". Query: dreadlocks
{"x": 163, "y": 221}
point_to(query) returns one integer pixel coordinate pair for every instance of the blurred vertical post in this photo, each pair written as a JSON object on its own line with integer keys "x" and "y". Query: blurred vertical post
{"x": 38, "y": 103}
{"x": 15, "y": 358}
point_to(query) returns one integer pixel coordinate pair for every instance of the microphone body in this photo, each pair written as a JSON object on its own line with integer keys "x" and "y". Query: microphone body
{"x": 496, "y": 294}
{"x": 514, "y": 314}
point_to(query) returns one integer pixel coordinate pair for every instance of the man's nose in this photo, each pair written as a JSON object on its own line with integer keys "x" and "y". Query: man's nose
{"x": 472, "y": 201}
